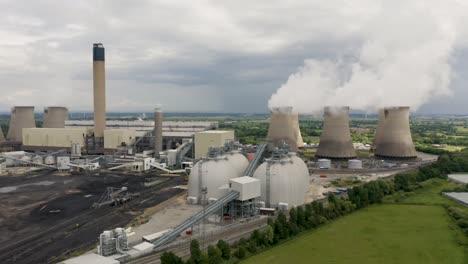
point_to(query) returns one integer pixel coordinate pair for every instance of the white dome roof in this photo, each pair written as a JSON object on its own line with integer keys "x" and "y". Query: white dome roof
{"x": 238, "y": 161}
{"x": 289, "y": 181}
{"x": 214, "y": 173}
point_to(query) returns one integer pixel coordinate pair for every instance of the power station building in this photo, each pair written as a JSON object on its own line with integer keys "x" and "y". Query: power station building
{"x": 212, "y": 138}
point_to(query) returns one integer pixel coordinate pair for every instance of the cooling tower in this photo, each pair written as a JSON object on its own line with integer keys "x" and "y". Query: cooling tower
{"x": 2, "y": 137}
{"x": 335, "y": 140}
{"x": 380, "y": 129}
{"x": 284, "y": 128}
{"x": 157, "y": 131}
{"x": 99, "y": 82}
{"x": 393, "y": 136}
{"x": 300, "y": 142}
{"x": 21, "y": 117}
{"x": 55, "y": 116}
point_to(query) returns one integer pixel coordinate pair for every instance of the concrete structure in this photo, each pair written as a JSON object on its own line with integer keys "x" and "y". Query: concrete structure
{"x": 99, "y": 83}
{"x": 2, "y": 137}
{"x": 460, "y": 178}
{"x": 55, "y": 116}
{"x": 393, "y": 137}
{"x": 158, "y": 137}
{"x": 53, "y": 138}
{"x": 335, "y": 140}
{"x": 212, "y": 138}
{"x": 461, "y": 197}
{"x": 114, "y": 138}
{"x": 284, "y": 178}
{"x": 91, "y": 258}
{"x": 380, "y": 129}
{"x": 247, "y": 187}
{"x": 284, "y": 128}
{"x": 237, "y": 160}
{"x": 21, "y": 117}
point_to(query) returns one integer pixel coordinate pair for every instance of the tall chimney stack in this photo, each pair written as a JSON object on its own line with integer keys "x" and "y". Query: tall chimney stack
{"x": 99, "y": 81}
{"x": 157, "y": 131}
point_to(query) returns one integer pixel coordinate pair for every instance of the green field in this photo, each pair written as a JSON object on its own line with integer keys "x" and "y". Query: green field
{"x": 390, "y": 233}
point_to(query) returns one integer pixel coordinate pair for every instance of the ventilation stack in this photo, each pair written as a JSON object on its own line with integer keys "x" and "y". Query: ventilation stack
{"x": 158, "y": 138}
{"x": 21, "y": 117}
{"x": 99, "y": 82}
{"x": 55, "y": 116}
{"x": 335, "y": 140}
{"x": 284, "y": 128}
{"x": 393, "y": 136}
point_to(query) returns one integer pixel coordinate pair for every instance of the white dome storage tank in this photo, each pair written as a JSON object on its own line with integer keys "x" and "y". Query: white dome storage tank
{"x": 238, "y": 161}
{"x": 288, "y": 181}
{"x": 212, "y": 172}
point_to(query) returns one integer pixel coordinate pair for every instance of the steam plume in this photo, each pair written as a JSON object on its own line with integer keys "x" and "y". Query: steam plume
{"x": 404, "y": 59}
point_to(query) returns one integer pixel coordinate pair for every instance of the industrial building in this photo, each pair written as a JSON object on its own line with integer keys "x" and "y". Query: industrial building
{"x": 335, "y": 140}
{"x": 211, "y": 138}
{"x": 21, "y": 117}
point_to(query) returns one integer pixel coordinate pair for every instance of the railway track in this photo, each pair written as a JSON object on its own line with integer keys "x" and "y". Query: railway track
{"x": 21, "y": 251}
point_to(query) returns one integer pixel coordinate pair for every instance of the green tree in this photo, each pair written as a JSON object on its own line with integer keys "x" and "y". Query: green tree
{"x": 195, "y": 252}
{"x": 301, "y": 222}
{"x": 214, "y": 255}
{"x": 269, "y": 235}
{"x": 240, "y": 252}
{"x": 225, "y": 249}
{"x": 170, "y": 258}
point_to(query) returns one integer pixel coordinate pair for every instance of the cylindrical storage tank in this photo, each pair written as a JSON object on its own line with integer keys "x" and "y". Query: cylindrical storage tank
{"x": 282, "y": 180}
{"x": 50, "y": 160}
{"x": 284, "y": 128}
{"x": 394, "y": 134}
{"x": 335, "y": 140}
{"x": 354, "y": 164}
{"x": 238, "y": 161}
{"x": 21, "y": 117}
{"x": 55, "y": 117}
{"x": 38, "y": 159}
{"x": 212, "y": 173}
{"x": 324, "y": 163}
{"x": 171, "y": 157}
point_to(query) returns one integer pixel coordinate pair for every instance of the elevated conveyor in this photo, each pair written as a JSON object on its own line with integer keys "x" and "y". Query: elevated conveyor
{"x": 257, "y": 158}
{"x": 210, "y": 209}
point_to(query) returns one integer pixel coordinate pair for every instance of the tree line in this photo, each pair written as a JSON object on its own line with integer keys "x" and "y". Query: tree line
{"x": 313, "y": 215}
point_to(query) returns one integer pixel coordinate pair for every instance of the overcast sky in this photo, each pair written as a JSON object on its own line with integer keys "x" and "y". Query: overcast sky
{"x": 190, "y": 56}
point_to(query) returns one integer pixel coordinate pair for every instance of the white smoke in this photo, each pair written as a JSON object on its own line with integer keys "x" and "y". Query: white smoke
{"x": 404, "y": 60}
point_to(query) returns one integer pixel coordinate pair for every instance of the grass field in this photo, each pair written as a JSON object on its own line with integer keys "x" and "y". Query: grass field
{"x": 417, "y": 229}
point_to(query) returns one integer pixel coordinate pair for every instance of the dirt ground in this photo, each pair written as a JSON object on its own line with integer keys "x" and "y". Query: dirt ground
{"x": 46, "y": 215}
